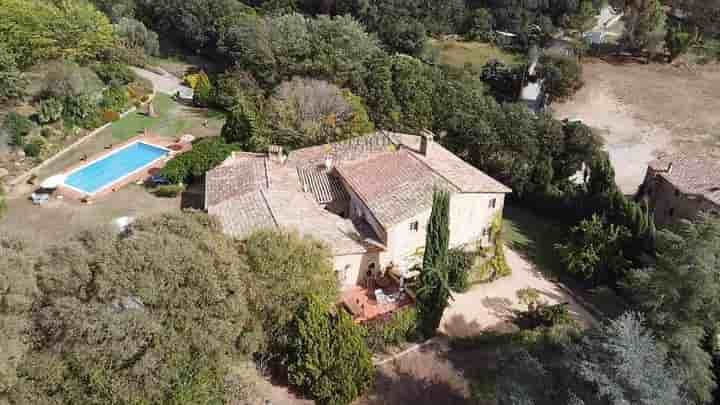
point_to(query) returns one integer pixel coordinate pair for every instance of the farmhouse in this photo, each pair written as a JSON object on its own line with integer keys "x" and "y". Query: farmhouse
{"x": 680, "y": 187}
{"x": 368, "y": 198}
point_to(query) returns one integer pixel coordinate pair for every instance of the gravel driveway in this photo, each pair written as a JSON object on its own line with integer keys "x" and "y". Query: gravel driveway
{"x": 489, "y": 306}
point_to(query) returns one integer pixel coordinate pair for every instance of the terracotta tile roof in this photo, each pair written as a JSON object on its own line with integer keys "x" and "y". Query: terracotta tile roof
{"x": 239, "y": 174}
{"x": 394, "y": 185}
{"x": 243, "y": 214}
{"x": 690, "y": 175}
{"x": 387, "y": 171}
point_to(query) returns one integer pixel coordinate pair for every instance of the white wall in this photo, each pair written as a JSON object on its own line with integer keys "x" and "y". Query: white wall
{"x": 405, "y": 245}
{"x": 470, "y": 214}
{"x": 352, "y": 268}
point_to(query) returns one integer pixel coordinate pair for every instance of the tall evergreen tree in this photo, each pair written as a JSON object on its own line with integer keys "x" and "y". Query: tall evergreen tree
{"x": 434, "y": 292}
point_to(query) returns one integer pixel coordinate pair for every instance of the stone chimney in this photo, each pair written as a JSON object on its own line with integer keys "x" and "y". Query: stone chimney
{"x": 275, "y": 154}
{"x": 426, "y": 141}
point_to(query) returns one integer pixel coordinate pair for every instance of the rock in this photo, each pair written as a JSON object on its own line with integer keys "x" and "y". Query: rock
{"x": 3, "y": 172}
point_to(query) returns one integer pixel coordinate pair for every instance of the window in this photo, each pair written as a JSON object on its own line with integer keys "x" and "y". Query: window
{"x": 493, "y": 202}
{"x": 677, "y": 193}
{"x": 485, "y": 231}
{"x": 671, "y": 212}
{"x": 414, "y": 226}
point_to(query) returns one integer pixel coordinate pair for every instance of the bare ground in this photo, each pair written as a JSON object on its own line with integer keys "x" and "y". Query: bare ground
{"x": 646, "y": 110}
{"x": 56, "y": 220}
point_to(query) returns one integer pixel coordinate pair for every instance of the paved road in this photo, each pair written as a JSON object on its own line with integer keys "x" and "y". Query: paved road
{"x": 165, "y": 83}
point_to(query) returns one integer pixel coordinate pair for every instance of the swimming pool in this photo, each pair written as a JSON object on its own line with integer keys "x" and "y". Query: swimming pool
{"x": 108, "y": 170}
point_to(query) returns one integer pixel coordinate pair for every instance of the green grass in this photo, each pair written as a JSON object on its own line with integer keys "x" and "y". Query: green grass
{"x": 459, "y": 53}
{"x": 171, "y": 120}
{"x": 535, "y": 237}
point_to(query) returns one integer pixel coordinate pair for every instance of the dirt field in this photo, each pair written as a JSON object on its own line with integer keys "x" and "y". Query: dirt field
{"x": 644, "y": 110}
{"x": 56, "y": 220}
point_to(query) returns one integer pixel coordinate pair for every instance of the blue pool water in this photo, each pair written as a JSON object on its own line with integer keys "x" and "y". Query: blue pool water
{"x": 106, "y": 171}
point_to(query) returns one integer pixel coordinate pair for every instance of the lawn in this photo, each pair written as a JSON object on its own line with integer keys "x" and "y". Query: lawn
{"x": 535, "y": 237}
{"x": 459, "y": 53}
{"x": 172, "y": 120}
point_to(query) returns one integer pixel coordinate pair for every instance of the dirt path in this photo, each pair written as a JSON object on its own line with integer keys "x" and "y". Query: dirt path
{"x": 489, "y": 306}
{"x": 165, "y": 83}
{"x": 646, "y": 110}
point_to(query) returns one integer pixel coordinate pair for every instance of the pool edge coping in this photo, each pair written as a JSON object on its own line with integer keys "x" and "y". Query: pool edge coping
{"x": 110, "y": 153}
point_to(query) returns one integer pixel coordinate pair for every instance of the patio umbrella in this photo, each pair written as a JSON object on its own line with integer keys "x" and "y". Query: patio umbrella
{"x": 53, "y": 182}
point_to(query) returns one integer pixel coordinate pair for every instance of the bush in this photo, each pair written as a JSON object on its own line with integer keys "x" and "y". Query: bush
{"x": 169, "y": 190}
{"x": 51, "y": 110}
{"x": 203, "y": 90}
{"x": 205, "y": 155}
{"x": 81, "y": 111}
{"x": 287, "y": 267}
{"x": 398, "y": 329}
{"x": 329, "y": 358}
{"x": 115, "y": 99}
{"x": 562, "y": 74}
{"x": 34, "y": 147}
{"x": 17, "y": 127}
{"x": 460, "y": 265}
{"x": 114, "y": 73}
{"x": 66, "y": 79}
{"x": 110, "y": 116}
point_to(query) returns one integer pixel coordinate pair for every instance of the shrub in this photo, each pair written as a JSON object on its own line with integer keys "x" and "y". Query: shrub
{"x": 12, "y": 82}
{"x": 287, "y": 267}
{"x": 203, "y": 90}
{"x": 110, "y": 116}
{"x": 115, "y": 99}
{"x": 66, "y": 79}
{"x": 169, "y": 190}
{"x": 329, "y": 359}
{"x": 460, "y": 264}
{"x": 17, "y": 127}
{"x": 51, "y": 110}
{"x": 81, "y": 111}
{"x": 114, "y": 73}
{"x": 401, "y": 327}
{"x": 205, "y": 155}
{"x": 34, "y": 147}
{"x": 544, "y": 315}
{"x": 562, "y": 74}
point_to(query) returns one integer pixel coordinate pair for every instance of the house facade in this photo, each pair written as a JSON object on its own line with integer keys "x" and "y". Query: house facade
{"x": 680, "y": 187}
{"x": 369, "y": 199}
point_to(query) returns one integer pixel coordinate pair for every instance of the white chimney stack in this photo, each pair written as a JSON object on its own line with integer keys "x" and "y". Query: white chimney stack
{"x": 328, "y": 162}
{"x": 426, "y": 140}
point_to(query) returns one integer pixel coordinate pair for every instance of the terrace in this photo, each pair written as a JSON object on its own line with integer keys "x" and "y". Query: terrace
{"x": 382, "y": 299}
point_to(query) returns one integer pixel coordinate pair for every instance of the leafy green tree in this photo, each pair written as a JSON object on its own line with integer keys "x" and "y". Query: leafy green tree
{"x": 329, "y": 359}
{"x": 115, "y": 98}
{"x": 414, "y": 91}
{"x": 584, "y": 19}
{"x": 134, "y": 35}
{"x": 479, "y": 25}
{"x": 378, "y": 93}
{"x": 434, "y": 291}
{"x": 406, "y": 36}
{"x": 285, "y": 268}
{"x": 244, "y": 126}
{"x": 602, "y": 176}
{"x": 40, "y": 30}
{"x": 644, "y": 20}
{"x": 679, "y": 296}
{"x": 12, "y": 82}
{"x": 677, "y": 42}
{"x": 157, "y": 317}
{"x": 17, "y": 127}
{"x": 81, "y": 111}
{"x": 68, "y": 79}
{"x": 619, "y": 363}
{"x": 594, "y": 250}
{"x": 562, "y": 74}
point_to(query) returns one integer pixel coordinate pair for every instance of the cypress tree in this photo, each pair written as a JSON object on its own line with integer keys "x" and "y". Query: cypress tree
{"x": 434, "y": 292}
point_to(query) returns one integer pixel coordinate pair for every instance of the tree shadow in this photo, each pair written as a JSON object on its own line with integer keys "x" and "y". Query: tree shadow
{"x": 419, "y": 378}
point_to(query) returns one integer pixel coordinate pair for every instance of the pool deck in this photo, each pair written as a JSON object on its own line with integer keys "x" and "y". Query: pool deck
{"x": 140, "y": 176}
